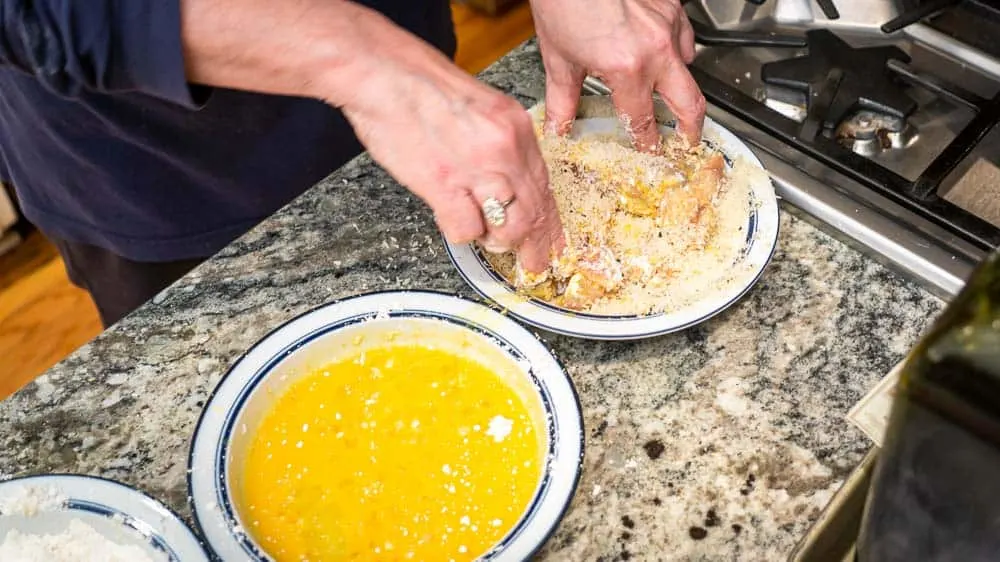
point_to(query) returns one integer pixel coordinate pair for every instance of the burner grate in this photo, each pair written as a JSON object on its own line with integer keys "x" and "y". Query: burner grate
{"x": 865, "y": 82}
{"x": 836, "y": 93}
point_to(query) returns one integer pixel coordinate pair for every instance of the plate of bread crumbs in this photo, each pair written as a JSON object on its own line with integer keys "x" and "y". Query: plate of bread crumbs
{"x": 76, "y": 518}
{"x": 656, "y": 242}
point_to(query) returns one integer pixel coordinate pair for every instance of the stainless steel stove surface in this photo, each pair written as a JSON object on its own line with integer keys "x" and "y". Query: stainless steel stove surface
{"x": 887, "y": 140}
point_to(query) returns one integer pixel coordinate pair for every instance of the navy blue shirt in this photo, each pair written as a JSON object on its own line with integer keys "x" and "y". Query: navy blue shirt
{"x": 107, "y": 144}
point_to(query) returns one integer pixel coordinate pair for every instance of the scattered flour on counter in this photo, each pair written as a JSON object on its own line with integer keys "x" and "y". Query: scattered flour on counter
{"x": 28, "y": 501}
{"x": 500, "y": 428}
{"x": 79, "y": 543}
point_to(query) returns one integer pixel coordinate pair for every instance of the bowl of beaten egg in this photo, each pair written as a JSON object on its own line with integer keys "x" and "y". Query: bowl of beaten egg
{"x": 390, "y": 426}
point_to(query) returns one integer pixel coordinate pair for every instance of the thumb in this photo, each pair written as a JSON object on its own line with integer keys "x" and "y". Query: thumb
{"x": 563, "y": 83}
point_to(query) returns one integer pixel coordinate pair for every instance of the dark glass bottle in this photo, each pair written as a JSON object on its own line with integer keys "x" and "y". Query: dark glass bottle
{"x": 935, "y": 492}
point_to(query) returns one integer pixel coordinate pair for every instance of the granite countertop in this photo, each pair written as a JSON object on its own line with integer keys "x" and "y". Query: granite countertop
{"x": 723, "y": 442}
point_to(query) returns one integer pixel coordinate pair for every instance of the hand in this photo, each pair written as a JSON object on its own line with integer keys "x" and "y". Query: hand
{"x": 636, "y": 47}
{"x": 455, "y": 143}
{"x": 450, "y": 139}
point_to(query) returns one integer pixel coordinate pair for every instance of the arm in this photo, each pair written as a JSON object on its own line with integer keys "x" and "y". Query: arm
{"x": 324, "y": 49}
{"x": 449, "y": 138}
{"x": 157, "y": 47}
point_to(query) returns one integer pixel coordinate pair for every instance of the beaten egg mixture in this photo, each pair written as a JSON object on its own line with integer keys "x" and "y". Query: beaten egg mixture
{"x": 398, "y": 453}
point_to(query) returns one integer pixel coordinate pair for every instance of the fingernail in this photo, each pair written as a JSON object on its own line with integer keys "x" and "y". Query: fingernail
{"x": 495, "y": 248}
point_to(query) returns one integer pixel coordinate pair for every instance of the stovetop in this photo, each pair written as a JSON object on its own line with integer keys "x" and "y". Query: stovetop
{"x": 886, "y": 139}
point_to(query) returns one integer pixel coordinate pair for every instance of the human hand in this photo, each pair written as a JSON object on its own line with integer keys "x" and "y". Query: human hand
{"x": 456, "y": 143}
{"x": 636, "y": 47}
{"x": 450, "y": 139}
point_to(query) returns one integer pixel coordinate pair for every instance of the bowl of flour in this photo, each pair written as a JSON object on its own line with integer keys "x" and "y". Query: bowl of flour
{"x": 76, "y": 518}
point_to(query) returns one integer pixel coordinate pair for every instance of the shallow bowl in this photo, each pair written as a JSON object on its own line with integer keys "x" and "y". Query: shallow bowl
{"x": 119, "y": 512}
{"x": 336, "y": 330}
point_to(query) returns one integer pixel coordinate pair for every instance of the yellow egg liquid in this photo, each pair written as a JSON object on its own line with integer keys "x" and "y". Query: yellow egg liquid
{"x": 399, "y": 453}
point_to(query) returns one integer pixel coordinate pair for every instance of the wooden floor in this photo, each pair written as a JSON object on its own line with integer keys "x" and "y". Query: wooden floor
{"x": 43, "y": 317}
{"x": 482, "y": 40}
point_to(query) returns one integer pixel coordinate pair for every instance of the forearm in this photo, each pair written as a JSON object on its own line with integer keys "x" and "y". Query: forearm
{"x": 313, "y": 48}
{"x": 325, "y": 49}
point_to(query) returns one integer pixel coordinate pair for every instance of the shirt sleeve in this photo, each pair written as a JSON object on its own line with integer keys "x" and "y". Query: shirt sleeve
{"x": 99, "y": 45}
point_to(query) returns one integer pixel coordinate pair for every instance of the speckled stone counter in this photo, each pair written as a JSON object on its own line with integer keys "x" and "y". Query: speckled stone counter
{"x": 719, "y": 443}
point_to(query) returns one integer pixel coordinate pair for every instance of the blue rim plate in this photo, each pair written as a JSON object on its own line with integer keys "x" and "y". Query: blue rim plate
{"x": 761, "y": 241}
{"x": 281, "y": 356}
{"x": 119, "y": 512}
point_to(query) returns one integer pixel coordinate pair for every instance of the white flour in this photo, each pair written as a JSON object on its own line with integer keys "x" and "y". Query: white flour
{"x": 28, "y": 501}
{"x": 79, "y": 543}
{"x": 500, "y": 428}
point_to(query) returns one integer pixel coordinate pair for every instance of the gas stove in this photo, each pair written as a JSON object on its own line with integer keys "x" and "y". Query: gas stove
{"x": 877, "y": 119}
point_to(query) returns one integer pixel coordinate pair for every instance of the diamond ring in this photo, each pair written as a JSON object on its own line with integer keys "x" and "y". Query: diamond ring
{"x": 495, "y": 211}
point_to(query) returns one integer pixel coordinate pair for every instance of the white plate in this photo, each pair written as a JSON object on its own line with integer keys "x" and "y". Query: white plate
{"x": 762, "y": 238}
{"x": 120, "y": 513}
{"x": 323, "y": 334}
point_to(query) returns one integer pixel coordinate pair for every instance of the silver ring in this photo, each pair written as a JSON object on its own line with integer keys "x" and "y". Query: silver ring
{"x": 495, "y": 211}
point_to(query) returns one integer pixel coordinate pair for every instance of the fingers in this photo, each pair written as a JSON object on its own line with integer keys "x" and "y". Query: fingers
{"x": 563, "y": 84}
{"x": 632, "y": 96}
{"x": 535, "y": 255}
{"x": 544, "y": 239}
{"x": 546, "y": 235}
{"x": 507, "y": 236}
{"x": 458, "y": 217}
{"x": 514, "y": 172}
{"x": 535, "y": 250}
{"x": 681, "y": 94}
{"x": 531, "y": 224}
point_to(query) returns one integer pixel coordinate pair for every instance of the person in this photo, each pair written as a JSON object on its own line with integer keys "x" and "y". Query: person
{"x": 143, "y": 136}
